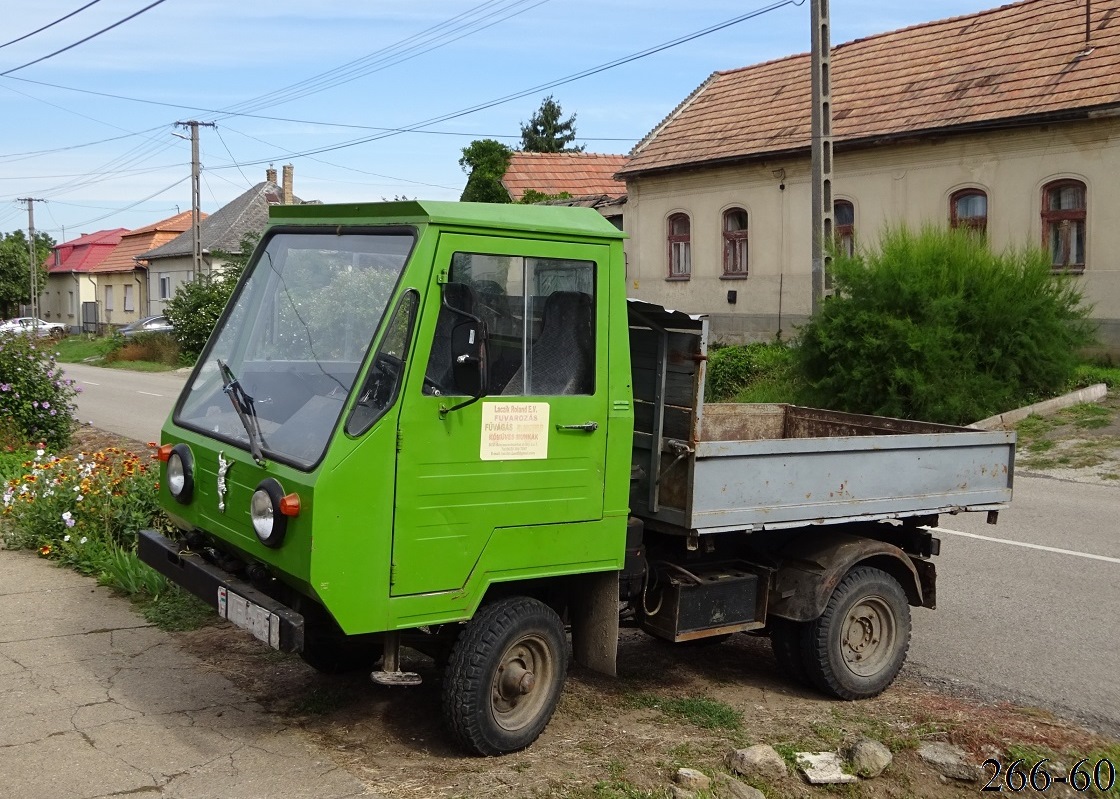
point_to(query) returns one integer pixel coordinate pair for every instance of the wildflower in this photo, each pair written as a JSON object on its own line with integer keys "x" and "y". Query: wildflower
{"x": 69, "y": 519}
{"x": 83, "y": 539}
{"x": 45, "y": 550}
{"x": 66, "y": 538}
{"x": 46, "y": 405}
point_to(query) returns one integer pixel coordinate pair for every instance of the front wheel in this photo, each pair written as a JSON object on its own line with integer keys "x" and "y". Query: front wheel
{"x": 504, "y": 676}
{"x": 858, "y": 645}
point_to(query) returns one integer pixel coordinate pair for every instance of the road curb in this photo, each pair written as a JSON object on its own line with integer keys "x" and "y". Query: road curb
{"x": 1094, "y": 393}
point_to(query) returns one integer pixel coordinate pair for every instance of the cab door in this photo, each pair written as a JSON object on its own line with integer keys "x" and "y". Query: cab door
{"x": 532, "y": 450}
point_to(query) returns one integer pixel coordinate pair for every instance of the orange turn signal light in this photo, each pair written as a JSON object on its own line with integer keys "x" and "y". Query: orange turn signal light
{"x": 289, "y": 505}
{"x": 164, "y": 452}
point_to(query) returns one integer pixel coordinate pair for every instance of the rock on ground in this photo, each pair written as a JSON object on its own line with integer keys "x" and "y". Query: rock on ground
{"x": 760, "y": 760}
{"x": 692, "y": 780}
{"x": 868, "y": 757}
{"x": 949, "y": 760}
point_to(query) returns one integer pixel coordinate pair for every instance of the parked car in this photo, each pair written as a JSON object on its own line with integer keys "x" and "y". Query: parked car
{"x": 149, "y": 324}
{"x": 29, "y": 324}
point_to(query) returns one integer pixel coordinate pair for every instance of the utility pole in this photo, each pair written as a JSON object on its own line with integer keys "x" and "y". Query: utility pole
{"x": 196, "y": 192}
{"x": 34, "y": 266}
{"x": 821, "y": 148}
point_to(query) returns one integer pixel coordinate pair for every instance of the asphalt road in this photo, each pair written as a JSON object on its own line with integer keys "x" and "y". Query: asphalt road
{"x": 1029, "y": 611}
{"x": 1026, "y": 612}
{"x": 132, "y": 404}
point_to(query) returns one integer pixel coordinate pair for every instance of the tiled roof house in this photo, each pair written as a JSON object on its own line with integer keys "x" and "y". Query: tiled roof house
{"x": 122, "y": 278}
{"x": 589, "y": 179}
{"x": 171, "y": 264}
{"x": 70, "y": 279}
{"x": 1000, "y": 119}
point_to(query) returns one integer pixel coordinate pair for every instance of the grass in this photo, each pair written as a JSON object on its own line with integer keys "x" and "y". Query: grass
{"x": 708, "y": 714}
{"x": 174, "y": 610}
{"x": 83, "y": 347}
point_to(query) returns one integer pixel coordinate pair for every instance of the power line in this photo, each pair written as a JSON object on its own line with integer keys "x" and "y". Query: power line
{"x": 83, "y": 41}
{"x": 51, "y": 24}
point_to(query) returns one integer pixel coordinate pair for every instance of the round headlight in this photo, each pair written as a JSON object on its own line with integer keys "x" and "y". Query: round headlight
{"x": 180, "y": 474}
{"x": 264, "y": 509}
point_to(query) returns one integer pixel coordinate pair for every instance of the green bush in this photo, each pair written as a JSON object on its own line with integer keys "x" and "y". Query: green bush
{"x": 758, "y": 372}
{"x": 36, "y": 401}
{"x": 152, "y": 347}
{"x": 195, "y": 308}
{"x": 935, "y": 326}
{"x": 1086, "y": 375}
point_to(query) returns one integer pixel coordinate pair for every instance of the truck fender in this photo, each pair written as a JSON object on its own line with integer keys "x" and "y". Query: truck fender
{"x": 812, "y": 565}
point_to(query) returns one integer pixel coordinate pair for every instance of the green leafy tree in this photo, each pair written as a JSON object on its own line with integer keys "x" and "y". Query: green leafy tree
{"x": 485, "y": 161}
{"x": 545, "y": 132}
{"x": 196, "y": 306}
{"x": 532, "y": 197}
{"x": 936, "y": 326}
{"x": 15, "y": 273}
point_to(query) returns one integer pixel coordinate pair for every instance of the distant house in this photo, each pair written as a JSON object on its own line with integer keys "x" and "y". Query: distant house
{"x": 70, "y": 295}
{"x": 123, "y": 290}
{"x": 1005, "y": 121}
{"x": 171, "y": 264}
{"x": 588, "y": 178}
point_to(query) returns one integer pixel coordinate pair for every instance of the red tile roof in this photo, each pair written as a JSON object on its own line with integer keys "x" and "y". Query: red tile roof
{"x": 141, "y": 240}
{"x": 85, "y": 252}
{"x": 578, "y": 174}
{"x": 1017, "y": 63}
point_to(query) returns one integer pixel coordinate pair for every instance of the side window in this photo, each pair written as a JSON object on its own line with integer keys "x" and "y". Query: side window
{"x": 383, "y": 383}
{"x": 1063, "y": 224}
{"x": 735, "y": 243}
{"x": 539, "y": 315}
{"x": 680, "y": 247}
{"x": 968, "y": 210}
{"x": 844, "y": 221}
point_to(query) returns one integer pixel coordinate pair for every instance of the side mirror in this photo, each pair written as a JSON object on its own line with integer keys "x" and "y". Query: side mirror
{"x": 468, "y": 357}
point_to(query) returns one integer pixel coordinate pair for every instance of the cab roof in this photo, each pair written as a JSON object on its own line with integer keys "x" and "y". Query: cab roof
{"x": 495, "y": 216}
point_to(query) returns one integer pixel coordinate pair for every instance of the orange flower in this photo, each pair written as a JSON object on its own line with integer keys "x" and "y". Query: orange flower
{"x": 45, "y": 550}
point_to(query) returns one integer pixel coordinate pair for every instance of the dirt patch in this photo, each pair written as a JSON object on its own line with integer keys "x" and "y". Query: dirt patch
{"x": 1080, "y": 443}
{"x": 621, "y": 737}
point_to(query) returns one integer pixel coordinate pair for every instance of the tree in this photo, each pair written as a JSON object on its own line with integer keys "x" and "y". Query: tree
{"x": 15, "y": 275}
{"x": 196, "y": 306}
{"x": 935, "y": 326}
{"x": 545, "y": 133}
{"x": 485, "y": 161}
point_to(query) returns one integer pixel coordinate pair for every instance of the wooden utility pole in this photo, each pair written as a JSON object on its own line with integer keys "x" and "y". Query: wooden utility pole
{"x": 31, "y": 253}
{"x": 196, "y": 193}
{"x": 821, "y": 147}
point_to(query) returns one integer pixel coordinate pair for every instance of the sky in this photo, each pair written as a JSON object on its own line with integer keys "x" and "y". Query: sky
{"x": 367, "y": 100}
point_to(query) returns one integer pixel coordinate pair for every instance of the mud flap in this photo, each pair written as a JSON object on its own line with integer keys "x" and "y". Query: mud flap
{"x": 594, "y": 614}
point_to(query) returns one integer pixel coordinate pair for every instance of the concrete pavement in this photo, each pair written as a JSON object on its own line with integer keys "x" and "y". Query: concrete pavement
{"x": 96, "y": 703}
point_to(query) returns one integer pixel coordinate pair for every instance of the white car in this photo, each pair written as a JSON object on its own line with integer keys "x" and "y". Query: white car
{"x": 30, "y": 325}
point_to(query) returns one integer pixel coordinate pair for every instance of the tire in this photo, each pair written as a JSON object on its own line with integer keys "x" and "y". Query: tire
{"x": 504, "y": 676}
{"x": 858, "y": 645}
{"x": 787, "y": 640}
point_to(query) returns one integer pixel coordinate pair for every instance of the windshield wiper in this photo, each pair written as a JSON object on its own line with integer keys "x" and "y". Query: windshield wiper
{"x": 243, "y": 405}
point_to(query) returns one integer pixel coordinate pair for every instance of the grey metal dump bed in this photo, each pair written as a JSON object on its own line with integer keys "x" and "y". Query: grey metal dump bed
{"x": 715, "y": 467}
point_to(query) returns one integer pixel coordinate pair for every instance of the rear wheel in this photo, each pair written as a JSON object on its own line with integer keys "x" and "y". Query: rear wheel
{"x": 504, "y": 676}
{"x": 858, "y": 645}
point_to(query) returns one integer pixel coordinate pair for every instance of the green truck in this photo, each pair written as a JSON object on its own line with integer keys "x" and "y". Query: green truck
{"x": 444, "y": 426}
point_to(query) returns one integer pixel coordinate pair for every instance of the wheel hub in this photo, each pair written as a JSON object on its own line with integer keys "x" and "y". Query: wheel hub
{"x": 868, "y": 636}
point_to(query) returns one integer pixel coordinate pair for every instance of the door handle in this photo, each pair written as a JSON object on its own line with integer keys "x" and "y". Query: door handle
{"x": 587, "y": 427}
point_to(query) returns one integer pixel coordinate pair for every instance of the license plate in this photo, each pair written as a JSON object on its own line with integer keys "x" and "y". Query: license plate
{"x": 262, "y": 623}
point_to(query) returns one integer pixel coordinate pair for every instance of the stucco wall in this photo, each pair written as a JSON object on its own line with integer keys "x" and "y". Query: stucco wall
{"x": 900, "y": 183}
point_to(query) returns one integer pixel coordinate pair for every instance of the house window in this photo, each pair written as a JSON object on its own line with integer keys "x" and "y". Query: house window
{"x": 128, "y": 306}
{"x": 165, "y": 287}
{"x": 108, "y": 298}
{"x": 735, "y": 243}
{"x": 1063, "y": 224}
{"x": 968, "y": 210}
{"x": 680, "y": 247}
{"x": 844, "y": 225}
{"x": 71, "y": 308}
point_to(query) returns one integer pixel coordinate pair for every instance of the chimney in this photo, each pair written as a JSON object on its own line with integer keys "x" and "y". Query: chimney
{"x": 288, "y": 184}
{"x": 270, "y": 175}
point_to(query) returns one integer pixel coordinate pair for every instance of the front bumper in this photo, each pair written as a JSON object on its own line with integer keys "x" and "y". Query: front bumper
{"x": 232, "y": 598}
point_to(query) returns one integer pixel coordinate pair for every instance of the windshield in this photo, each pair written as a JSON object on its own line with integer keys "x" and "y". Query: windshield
{"x": 295, "y": 339}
